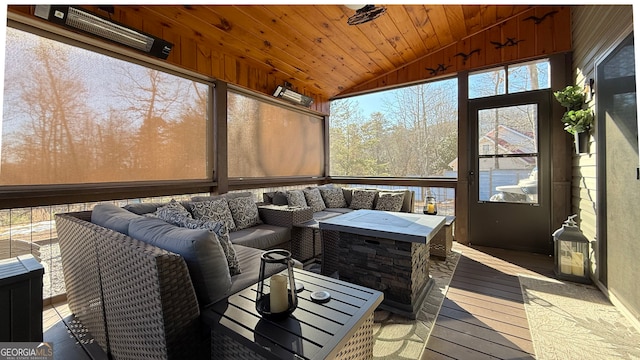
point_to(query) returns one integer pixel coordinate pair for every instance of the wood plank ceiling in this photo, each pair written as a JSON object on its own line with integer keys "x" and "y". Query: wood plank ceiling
{"x": 313, "y": 44}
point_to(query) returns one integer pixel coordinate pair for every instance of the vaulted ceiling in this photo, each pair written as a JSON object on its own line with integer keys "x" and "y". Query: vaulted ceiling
{"x": 313, "y": 44}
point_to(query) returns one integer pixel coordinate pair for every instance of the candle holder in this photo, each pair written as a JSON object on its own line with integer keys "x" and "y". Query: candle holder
{"x": 278, "y": 299}
{"x": 431, "y": 206}
{"x": 571, "y": 252}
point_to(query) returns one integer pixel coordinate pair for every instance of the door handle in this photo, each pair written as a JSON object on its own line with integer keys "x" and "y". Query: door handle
{"x": 471, "y": 177}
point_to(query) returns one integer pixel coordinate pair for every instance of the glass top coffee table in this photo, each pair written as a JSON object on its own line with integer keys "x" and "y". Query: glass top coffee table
{"x": 340, "y": 328}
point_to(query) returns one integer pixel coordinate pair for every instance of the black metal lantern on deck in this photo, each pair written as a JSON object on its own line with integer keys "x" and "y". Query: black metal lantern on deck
{"x": 571, "y": 250}
{"x": 276, "y": 299}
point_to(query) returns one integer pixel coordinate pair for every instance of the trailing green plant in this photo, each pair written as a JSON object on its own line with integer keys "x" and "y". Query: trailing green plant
{"x": 577, "y": 121}
{"x": 572, "y": 97}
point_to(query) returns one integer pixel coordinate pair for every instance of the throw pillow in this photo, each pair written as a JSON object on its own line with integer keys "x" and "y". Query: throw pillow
{"x": 244, "y": 212}
{"x": 295, "y": 198}
{"x": 390, "y": 201}
{"x": 200, "y": 249}
{"x": 362, "y": 199}
{"x": 173, "y": 213}
{"x": 215, "y": 210}
{"x": 333, "y": 197}
{"x": 223, "y": 237}
{"x": 314, "y": 199}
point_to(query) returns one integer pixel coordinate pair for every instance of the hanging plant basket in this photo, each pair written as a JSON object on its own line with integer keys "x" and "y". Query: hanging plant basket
{"x": 577, "y": 121}
{"x": 581, "y": 141}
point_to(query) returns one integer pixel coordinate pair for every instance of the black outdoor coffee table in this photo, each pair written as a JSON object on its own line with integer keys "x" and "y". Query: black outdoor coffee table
{"x": 340, "y": 328}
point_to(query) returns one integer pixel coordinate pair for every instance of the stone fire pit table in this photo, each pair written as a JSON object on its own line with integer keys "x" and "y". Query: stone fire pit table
{"x": 386, "y": 251}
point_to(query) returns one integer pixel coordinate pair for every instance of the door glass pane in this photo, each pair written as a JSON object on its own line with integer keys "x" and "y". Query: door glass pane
{"x": 512, "y": 179}
{"x": 507, "y": 154}
{"x": 508, "y": 130}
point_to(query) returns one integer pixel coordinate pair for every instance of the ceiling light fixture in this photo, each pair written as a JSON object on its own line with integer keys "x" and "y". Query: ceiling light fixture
{"x": 364, "y": 13}
{"x": 285, "y": 92}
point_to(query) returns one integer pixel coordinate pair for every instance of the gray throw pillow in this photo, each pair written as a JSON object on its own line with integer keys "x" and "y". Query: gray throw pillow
{"x": 176, "y": 214}
{"x": 314, "y": 199}
{"x": 200, "y": 249}
{"x": 390, "y": 201}
{"x": 223, "y": 237}
{"x": 333, "y": 197}
{"x": 244, "y": 212}
{"x": 215, "y": 210}
{"x": 295, "y": 198}
{"x": 362, "y": 199}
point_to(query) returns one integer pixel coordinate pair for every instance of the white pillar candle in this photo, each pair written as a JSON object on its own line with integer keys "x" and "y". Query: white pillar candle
{"x": 278, "y": 294}
{"x": 565, "y": 264}
{"x": 577, "y": 264}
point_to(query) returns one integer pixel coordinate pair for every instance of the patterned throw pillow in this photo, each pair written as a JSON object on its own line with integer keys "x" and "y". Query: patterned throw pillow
{"x": 362, "y": 199}
{"x": 333, "y": 197}
{"x": 215, "y": 210}
{"x": 244, "y": 212}
{"x": 223, "y": 237}
{"x": 314, "y": 199}
{"x": 390, "y": 201}
{"x": 173, "y": 213}
{"x": 295, "y": 198}
{"x": 176, "y": 214}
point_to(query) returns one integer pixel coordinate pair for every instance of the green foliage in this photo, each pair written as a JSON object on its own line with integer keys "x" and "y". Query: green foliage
{"x": 577, "y": 121}
{"x": 572, "y": 97}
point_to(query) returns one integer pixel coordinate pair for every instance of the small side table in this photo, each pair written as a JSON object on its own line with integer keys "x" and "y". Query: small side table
{"x": 21, "y": 299}
{"x": 440, "y": 246}
{"x": 305, "y": 241}
{"x": 341, "y": 328}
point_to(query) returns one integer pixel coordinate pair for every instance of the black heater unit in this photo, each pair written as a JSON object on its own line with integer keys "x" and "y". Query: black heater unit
{"x": 87, "y": 22}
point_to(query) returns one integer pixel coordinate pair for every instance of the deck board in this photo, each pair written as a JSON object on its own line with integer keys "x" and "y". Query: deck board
{"x": 483, "y": 314}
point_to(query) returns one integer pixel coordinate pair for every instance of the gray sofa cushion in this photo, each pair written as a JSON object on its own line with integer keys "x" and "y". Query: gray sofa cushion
{"x": 143, "y": 208}
{"x": 200, "y": 249}
{"x": 339, "y": 210}
{"x": 112, "y": 217}
{"x": 263, "y": 236}
{"x": 250, "y": 261}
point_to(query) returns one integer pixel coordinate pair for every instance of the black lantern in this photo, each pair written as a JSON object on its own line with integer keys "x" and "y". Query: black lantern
{"x": 430, "y": 206}
{"x": 571, "y": 252}
{"x": 276, "y": 296}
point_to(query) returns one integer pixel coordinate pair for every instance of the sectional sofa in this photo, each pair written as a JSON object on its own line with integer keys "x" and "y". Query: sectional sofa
{"x": 137, "y": 277}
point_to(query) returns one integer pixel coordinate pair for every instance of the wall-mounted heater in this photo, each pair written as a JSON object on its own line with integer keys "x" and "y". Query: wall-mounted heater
{"x": 96, "y": 25}
{"x": 285, "y": 92}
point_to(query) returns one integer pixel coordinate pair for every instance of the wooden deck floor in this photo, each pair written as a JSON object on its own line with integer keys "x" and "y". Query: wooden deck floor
{"x": 482, "y": 317}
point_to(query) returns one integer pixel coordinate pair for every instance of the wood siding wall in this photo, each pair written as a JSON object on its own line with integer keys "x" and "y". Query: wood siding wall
{"x": 537, "y": 32}
{"x": 595, "y": 31}
{"x": 207, "y": 57}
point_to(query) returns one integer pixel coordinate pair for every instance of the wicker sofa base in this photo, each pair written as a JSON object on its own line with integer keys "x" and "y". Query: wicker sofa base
{"x": 359, "y": 346}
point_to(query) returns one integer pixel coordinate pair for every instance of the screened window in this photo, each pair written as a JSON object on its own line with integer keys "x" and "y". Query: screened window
{"x": 411, "y": 131}
{"x": 266, "y": 140}
{"x": 510, "y": 79}
{"x": 75, "y": 116}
